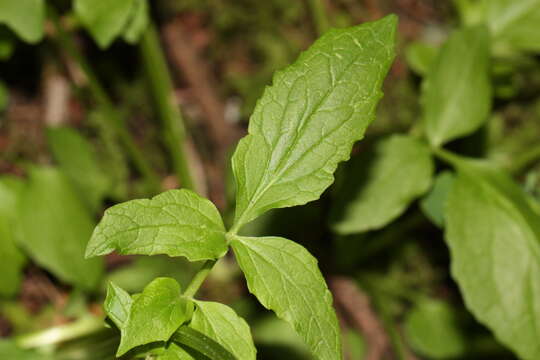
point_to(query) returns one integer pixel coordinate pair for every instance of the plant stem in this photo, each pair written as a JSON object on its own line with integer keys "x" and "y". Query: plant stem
{"x": 58, "y": 334}
{"x": 199, "y": 278}
{"x": 318, "y": 14}
{"x": 100, "y": 96}
{"x": 161, "y": 87}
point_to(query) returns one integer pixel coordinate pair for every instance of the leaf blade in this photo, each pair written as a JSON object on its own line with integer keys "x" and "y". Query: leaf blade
{"x": 175, "y": 223}
{"x": 277, "y": 280}
{"x": 307, "y": 121}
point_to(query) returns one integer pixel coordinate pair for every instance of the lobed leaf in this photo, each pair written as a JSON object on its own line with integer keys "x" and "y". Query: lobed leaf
{"x": 494, "y": 240}
{"x": 457, "y": 92}
{"x": 154, "y": 315}
{"x": 308, "y": 120}
{"x": 381, "y": 183}
{"x": 285, "y": 278}
{"x": 175, "y": 223}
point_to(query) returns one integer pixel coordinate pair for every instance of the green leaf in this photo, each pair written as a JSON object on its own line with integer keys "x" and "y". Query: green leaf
{"x": 105, "y": 20}
{"x": 494, "y": 240}
{"x": 117, "y": 305}
{"x": 381, "y": 183}
{"x": 25, "y": 17}
{"x": 421, "y": 56}
{"x": 205, "y": 346}
{"x": 175, "y": 223}
{"x": 13, "y": 259}
{"x": 55, "y": 227}
{"x": 220, "y": 322}
{"x": 308, "y": 120}
{"x": 155, "y": 314}
{"x": 457, "y": 95}
{"x": 138, "y": 22}
{"x": 433, "y": 204}
{"x": 285, "y": 278}
{"x": 432, "y": 328}
{"x": 175, "y": 352}
{"x": 78, "y": 161}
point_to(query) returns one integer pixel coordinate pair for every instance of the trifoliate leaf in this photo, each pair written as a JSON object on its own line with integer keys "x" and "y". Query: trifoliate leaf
{"x": 175, "y": 223}
{"x": 308, "y": 120}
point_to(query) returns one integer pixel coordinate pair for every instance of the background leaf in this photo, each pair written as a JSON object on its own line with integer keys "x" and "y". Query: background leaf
{"x": 176, "y": 223}
{"x": 494, "y": 240}
{"x": 55, "y": 227}
{"x": 434, "y": 203}
{"x": 307, "y": 121}
{"x": 457, "y": 93}
{"x": 25, "y": 17}
{"x": 221, "y": 323}
{"x": 285, "y": 278}
{"x": 380, "y": 184}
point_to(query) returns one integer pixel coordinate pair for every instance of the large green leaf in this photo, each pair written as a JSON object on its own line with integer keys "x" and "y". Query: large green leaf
{"x": 457, "y": 93}
{"x": 55, "y": 226}
{"x": 494, "y": 240}
{"x": 24, "y": 17}
{"x": 78, "y": 161}
{"x": 308, "y": 120}
{"x": 285, "y": 278}
{"x": 381, "y": 183}
{"x": 13, "y": 259}
{"x": 105, "y": 20}
{"x": 220, "y": 322}
{"x": 175, "y": 223}
{"x": 154, "y": 315}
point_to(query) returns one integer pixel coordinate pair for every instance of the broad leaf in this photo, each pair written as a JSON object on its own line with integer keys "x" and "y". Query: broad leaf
{"x": 55, "y": 227}
{"x": 78, "y": 161}
{"x": 434, "y": 202}
{"x": 220, "y": 322}
{"x": 117, "y": 305}
{"x": 105, "y": 20}
{"x": 13, "y": 259}
{"x": 457, "y": 95}
{"x": 432, "y": 328}
{"x": 24, "y": 17}
{"x": 155, "y": 314}
{"x": 175, "y": 223}
{"x": 494, "y": 240}
{"x": 308, "y": 120}
{"x": 285, "y": 278}
{"x": 381, "y": 183}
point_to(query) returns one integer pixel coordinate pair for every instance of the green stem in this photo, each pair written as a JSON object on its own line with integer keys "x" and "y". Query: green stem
{"x": 318, "y": 13}
{"x": 58, "y": 334}
{"x": 100, "y": 96}
{"x": 161, "y": 87}
{"x": 199, "y": 278}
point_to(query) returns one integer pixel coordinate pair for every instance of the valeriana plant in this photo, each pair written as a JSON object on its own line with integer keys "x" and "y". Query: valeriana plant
{"x": 302, "y": 127}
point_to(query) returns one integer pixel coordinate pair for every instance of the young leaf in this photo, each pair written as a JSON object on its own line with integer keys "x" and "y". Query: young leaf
{"x": 13, "y": 259}
{"x": 105, "y": 20}
{"x": 457, "y": 95}
{"x": 308, "y": 120}
{"x": 78, "y": 161}
{"x": 381, "y": 183}
{"x": 434, "y": 202}
{"x": 494, "y": 240}
{"x": 55, "y": 227}
{"x": 175, "y": 223}
{"x": 220, "y": 323}
{"x": 24, "y": 17}
{"x": 117, "y": 305}
{"x": 155, "y": 314}
{"x": 285, "y": 278}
